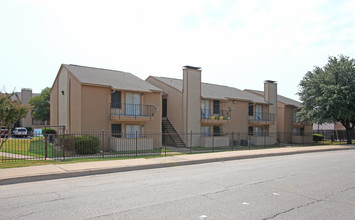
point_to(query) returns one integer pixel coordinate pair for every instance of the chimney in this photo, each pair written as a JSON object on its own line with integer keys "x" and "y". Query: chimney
{"x": 191, "y": 112}
{"x": 270, "y": 95}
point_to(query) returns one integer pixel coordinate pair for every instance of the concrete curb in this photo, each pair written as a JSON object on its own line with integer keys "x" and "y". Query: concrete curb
{"x": 88, "y": 172}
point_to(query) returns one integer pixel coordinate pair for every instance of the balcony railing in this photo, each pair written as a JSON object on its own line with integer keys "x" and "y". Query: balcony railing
{"x": 208, "y": 114}
{"x": 135, "y": 110}
{"x": 259, "y": 116}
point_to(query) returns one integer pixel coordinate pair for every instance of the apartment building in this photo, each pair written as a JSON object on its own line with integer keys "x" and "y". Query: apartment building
{"x": 29, "y": 121}
{"x": 289, "y": 129}
{"x": 86, "y": 99}
{"x": 191, "y": 106}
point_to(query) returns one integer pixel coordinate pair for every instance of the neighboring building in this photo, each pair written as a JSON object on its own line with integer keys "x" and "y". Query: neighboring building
{"x": 288, "y": 128}
{"x": 87, "y": 99}
{"x": 29, "y": 121}
{"x": 194, "y": 107}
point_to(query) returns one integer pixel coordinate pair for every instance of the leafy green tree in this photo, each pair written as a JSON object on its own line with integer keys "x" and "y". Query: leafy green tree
{"x": 40, "y": 105}
{"x": 328, "y": 94}
{"x": 10, "y": 112}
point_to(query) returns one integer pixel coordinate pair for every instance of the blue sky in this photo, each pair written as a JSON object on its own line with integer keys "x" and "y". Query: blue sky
{"x": 237, "y": 43}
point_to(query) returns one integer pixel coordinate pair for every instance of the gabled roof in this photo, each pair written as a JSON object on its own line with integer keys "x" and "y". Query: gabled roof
{"x": 280, "y": 98}
{"x": 112, "y": 78}
{"x": 213, "y": 91}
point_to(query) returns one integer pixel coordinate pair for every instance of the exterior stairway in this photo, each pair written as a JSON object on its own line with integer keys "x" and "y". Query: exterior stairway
{"x": 172, "y": 135}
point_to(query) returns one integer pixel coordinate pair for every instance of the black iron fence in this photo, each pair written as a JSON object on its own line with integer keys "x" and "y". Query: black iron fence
{"x": 72, "y": 146}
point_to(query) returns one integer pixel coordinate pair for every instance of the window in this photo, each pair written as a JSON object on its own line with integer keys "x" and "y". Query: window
{"x": 258, "y": 131}
{"x": 251, "y": 109}
{"x": 258, "y": 112}
{"x": 205, "y": 109}
{"x": 133, "y": 130}
{"x": 133, "y": 103}
{"x": 116, "y": 99}
{"x": 250, "y": 131}
{"x": 205, "y": 131}
{"x": 215, "y": 106}
{"x": 216, "y": 131}
{"x": 294, "y": 115}
{"x": 116, "y": 130}
{"x": 295, "y": 131}
{"x": 302, "y": 131}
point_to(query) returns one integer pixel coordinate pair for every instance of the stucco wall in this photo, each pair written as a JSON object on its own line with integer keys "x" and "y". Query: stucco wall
{"x": 238, "y": 122}
{"x": 54, "y": 104}
{"x": 63, "y": 98}
{"x": 95, "y": 111}
{"x": 174, "y": 103}
{"x": 75, "y": 104}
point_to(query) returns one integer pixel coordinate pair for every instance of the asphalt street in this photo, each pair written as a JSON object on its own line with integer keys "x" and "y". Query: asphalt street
{"x": 304, "y": 186}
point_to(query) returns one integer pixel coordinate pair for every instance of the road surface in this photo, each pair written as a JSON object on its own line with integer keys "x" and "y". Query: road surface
{"x": 303, "y": 186}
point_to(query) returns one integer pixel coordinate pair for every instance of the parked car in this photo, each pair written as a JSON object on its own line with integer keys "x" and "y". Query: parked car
{"x": 4, "y": 131}
{"x": 20, "y": 132}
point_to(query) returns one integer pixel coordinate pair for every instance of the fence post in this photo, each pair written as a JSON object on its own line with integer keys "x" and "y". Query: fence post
{"x": 232, "y": 140}
{"x": 213, "y": 142}
{"x": 136, "y": 145}
{"x": 191, "y": 142}
{"x": 165, "y": 136}
{"x": 103, "y": 143}
{"x": 63, "y": 144}
{"x": 45, "y": 143}
{"x": 264, "y": 140}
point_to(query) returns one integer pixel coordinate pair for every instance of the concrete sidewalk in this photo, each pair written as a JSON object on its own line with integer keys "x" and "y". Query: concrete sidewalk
{"x": 55, "y": 171}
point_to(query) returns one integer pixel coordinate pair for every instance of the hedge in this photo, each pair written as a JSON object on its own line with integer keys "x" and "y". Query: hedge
{"x": 48, "y": 131}
{"x": 86, "y": 144}
{"x": 318, "y": 137}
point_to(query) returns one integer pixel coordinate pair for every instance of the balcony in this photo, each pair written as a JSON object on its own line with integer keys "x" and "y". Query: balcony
{"x": 208, "y": 117}
{"x": 132, "y": 112}
{"x": 262, "y": 118}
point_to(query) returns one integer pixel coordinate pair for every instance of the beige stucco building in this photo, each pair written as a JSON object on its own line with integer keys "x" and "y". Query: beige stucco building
{"x": 86, "y": 99}
{"x": 211, "y": 111}
{"x": 288, "y": 128}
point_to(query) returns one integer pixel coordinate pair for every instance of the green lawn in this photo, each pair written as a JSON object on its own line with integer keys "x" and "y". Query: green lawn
{"x": 29, "y": 147}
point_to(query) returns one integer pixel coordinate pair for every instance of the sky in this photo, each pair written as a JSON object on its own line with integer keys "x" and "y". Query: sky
{"x": 236, "y": 43}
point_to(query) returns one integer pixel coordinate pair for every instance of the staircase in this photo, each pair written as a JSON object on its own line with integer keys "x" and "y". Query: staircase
{"x": 169, "y": 129}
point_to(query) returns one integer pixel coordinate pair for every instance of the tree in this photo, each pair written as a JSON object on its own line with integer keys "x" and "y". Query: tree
{"x": 328, "y": 94}
{"x": 10, "y": 112}
{"x": 40, "y": 105}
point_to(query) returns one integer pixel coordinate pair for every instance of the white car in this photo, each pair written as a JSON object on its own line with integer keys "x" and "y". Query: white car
{"x": 20, "y": 132}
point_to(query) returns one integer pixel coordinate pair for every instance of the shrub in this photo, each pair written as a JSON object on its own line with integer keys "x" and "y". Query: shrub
{"x": 68, "y": 142}
{"x": 29, "y": 129}
{"x": 318, "y": 137}
{"x": 86, "y": 144}
{"x": 48, "y": 131}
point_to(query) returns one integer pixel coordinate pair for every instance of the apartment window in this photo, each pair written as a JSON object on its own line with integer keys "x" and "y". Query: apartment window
{"x": 294, "y": 115}
{"x": 295, "y": 131}
{"x": 133, "y": 131}
{"x": 205, "y": 109}
{"x": 258, "y": 112}
{"x": 302, "y": 131}
{"x": 258, "y": 131}
{"x": 116, "y": 99}
{"x": 216, "y": 130}
{"x": 116, "y": 130}
{"x": 250, "y": 131}
{"x": 205, "y": 131}
{"x": 251, "y": 109}
{"x": 215, "y": 106}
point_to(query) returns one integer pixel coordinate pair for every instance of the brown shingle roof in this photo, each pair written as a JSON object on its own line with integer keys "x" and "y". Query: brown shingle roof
{"x": 280, "y": 98}
{"x": 115, "y": 79}
{"x": 213, "y": 91}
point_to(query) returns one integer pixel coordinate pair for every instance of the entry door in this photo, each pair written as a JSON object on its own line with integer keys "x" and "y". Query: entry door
{"x": 133, "y": 103}
{"x": 165, "y": 107}
{"x": 205, "y": 109}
